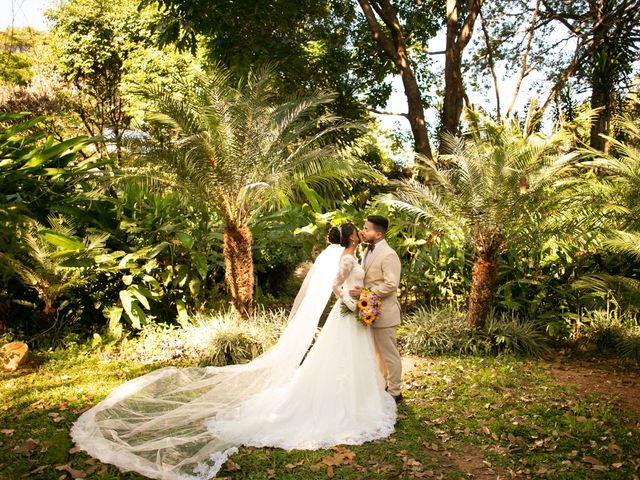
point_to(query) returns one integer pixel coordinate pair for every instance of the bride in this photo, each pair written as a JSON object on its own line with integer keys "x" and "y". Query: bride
{"x": 183, "y": 423}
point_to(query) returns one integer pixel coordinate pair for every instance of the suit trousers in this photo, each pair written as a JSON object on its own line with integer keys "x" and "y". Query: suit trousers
{"x": 388, "y": 357}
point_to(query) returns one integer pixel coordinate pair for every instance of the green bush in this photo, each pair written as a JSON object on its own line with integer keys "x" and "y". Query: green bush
{"x": 207, "y": 339}
{"x": 223, "y": 339}
{"x": 611, "y": 332}
{"x": 629, "y": 344}
{"x": 509, "y": 333}
{"x": 433, "y": 331}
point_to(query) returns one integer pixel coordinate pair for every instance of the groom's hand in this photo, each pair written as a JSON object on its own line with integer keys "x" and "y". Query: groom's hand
{"x": 355, "y": 292}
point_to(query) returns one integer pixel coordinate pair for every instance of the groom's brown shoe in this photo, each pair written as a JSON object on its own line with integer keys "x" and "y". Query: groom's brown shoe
{"x": 398, "y": 398}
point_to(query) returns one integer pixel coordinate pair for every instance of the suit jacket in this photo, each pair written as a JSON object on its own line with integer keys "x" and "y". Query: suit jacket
{"x": 382, "y": 276}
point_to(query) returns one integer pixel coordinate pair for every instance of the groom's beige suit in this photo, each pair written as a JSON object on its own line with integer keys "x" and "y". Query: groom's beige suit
{"x": 382, "y": 276}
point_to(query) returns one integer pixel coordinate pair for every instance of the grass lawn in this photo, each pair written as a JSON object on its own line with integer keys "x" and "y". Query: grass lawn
{"x": 463, "y": 417}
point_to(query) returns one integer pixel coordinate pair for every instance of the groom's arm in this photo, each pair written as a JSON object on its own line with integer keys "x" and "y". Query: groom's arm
{"x": 390, "y": 274}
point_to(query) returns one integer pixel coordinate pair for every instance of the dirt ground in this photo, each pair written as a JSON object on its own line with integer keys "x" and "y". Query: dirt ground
{"x": 612, "y": 378}
{"x": 616, "y": 380}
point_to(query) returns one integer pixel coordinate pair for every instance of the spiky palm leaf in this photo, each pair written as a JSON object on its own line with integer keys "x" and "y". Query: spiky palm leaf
{"x": 238, "y": 143}
{"x": 240, "y": 150}
{"x": 496, "y": 178}
{"x": 617, "y": 191}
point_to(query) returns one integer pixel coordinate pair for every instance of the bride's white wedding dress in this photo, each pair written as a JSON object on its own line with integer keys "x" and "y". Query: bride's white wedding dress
{"x": 182, "y": 424}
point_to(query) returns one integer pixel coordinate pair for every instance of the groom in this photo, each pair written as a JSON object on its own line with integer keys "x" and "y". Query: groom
{"x": 382, "y": 275}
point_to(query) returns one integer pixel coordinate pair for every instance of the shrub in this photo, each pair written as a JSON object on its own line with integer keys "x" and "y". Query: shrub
{"x": 509, "y": 333}
{"x": 629, "y": 344}
{"x": 223, "y": 339}
{"x": 432, "y": 331}
{"x": 208, "y": 339}
{"x": 612, "y": 332}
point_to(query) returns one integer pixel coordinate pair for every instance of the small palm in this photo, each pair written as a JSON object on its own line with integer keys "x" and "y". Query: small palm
{"x": 491, "y": 189}
{"x": 240, "y": 150}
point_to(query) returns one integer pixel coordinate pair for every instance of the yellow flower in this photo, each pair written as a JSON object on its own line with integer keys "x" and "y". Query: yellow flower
{"x": 363, "y": 303}
{"x": 368, "y": 318}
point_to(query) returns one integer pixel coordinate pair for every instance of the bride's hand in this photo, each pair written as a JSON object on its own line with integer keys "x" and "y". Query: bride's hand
{"x": 355, "y": 292}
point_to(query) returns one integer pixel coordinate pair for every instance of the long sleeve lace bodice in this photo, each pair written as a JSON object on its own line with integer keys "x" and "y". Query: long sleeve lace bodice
{"x": 349, "y": 275}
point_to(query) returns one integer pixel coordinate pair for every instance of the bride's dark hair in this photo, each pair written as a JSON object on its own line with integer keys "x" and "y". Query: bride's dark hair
{"x": 340, "y": 235}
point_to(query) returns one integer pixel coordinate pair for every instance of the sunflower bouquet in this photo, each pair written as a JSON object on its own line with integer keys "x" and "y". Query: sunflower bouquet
{"x": 368, "y": 307}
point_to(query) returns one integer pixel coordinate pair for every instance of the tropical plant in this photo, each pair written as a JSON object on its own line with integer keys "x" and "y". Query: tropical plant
{"x": 617, "y": 192}
{"x": 57, "y": 262}
{"x": 495, "y": 189}
{"x": 509, "y": 333}
{"x": 433, "y": 331}
{"x": 240, "y": 152}
{"x": 39, "y": 174}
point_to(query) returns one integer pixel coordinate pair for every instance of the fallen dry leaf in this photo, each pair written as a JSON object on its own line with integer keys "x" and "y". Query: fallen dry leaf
{"x": 71, "y": 471}
{"x": 75, "y": 450}
{"x": 55, "y": 417}
{"x": 231, "y": 466}
{"x": 330, "y": 471}
{"x": 7, "y": 432}
{"x": 27, "y": 446}
{"x": 39, "y": 470}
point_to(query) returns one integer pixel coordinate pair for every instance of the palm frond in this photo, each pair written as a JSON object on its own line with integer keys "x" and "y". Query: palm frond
{"x": 627, "y": 243}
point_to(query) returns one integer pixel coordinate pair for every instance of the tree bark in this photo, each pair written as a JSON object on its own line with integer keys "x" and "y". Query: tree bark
{"x": 238, "y": 261}
{"x": 488, "y": 243}
{"x": 602, "y": 123}
{"x": 483, "y": 280}
{"x": 457, "y": 40}
{"x": 396, "y": 50}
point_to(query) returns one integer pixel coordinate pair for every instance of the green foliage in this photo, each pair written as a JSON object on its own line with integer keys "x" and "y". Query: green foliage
{"x": 499, "y": 191}
{"x": 317, "y": 45}
{"x": 240, "y": 150}
{"x": 433, "y": 331}
{"x": 615, "y": 191}
{"x": 437, "y": 331}
{"x": 511, "y": 334}
{"x": 209, "y": 339}
{"x": 224, "y": 339}
{"x": 40, "y": 175}
{"x": 16, "y": 54}
{"x": 612, "y": 332}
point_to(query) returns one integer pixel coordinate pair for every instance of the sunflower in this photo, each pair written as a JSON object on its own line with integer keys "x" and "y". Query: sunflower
{"x": 368, "y": 318}
{"x": 363, "y": 303}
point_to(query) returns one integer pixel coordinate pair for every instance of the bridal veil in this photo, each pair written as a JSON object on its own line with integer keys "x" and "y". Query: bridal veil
{"x": 156, "y": 424}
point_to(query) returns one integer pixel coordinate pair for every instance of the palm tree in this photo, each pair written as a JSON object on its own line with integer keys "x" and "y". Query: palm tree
{"x": 617, "y": 193}
{"x": 493, "y": 190}
{"x": 57, "y": 261}
{"x": 240, "y": 150}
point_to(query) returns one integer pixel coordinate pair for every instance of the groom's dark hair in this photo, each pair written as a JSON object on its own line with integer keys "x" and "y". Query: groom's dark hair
{"x": 380, "y": 223}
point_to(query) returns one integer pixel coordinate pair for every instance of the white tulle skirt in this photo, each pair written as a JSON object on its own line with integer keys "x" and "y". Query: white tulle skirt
{"x": 337, "y": 396}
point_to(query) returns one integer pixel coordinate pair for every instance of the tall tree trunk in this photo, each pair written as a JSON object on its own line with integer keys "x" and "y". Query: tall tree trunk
{"x": 600, "y": 98}
{"x": 238, "y": 261}
{"x": 453, "y": 89}
{"x": 457, "y": 40}
{"x": 396, "y": 50}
